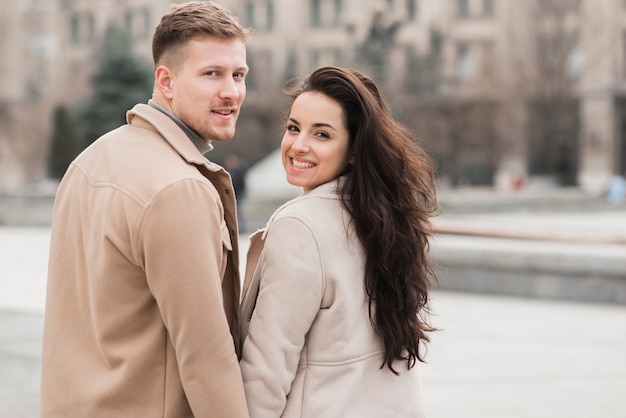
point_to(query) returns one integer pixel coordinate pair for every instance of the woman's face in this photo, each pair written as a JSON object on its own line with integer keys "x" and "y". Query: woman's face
{"x": 315, "y": 145}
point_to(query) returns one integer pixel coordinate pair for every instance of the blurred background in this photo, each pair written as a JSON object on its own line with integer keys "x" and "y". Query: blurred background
{"x": 522, "y": 104}
{"x": 504, "y": 94}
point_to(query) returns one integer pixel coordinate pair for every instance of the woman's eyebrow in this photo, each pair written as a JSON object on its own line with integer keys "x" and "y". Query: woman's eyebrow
{"x": 324, "y": 125}
{"x": 315, "y": 125}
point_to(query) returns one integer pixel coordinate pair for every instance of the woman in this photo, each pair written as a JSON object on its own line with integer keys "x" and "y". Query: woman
{"x": 337, "y": 284}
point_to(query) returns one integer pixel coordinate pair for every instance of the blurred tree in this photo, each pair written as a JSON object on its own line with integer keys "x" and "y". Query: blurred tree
{"x": 545, "y": 54}
{"x": 375, "y": 48}
{"x": 121, "y": 80}
{"x": 424, "y": 74}
{"x": 459, "y": 133}
{"x": 65, "y": 144}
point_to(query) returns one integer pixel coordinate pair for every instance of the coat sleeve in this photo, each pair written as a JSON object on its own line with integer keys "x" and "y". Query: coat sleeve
{"x": 290, "y": 293}
{"x": 183, "y": 255}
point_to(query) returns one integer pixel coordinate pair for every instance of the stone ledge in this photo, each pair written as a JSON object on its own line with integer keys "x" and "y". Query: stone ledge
{"x": 573, "y": 271}
{"x": 26, "y": 210}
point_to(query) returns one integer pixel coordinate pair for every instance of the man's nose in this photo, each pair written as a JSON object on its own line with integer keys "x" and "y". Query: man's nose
{"x": 229, "y": 89}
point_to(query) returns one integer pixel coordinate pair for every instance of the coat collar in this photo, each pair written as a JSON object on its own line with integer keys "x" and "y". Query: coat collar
{"x": 200, "y": 143}
{"x": 148, "y": 117}
{"x": 328, "y": 190}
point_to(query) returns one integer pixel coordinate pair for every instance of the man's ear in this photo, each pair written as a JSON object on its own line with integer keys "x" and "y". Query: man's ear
{"x": 163, "y": 79}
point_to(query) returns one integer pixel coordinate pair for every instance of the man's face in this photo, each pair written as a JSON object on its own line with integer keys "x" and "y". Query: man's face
{"x": 208, "y": 86}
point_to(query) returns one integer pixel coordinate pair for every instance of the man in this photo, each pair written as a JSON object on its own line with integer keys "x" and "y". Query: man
{"x": 143, "y": 286}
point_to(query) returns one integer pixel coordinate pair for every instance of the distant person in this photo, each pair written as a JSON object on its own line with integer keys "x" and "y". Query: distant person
{"x": 616, "y": 190}
{"x": 237, "y": 170}
{"x": 143, "y": 285}
{"x": 336, "y": 292}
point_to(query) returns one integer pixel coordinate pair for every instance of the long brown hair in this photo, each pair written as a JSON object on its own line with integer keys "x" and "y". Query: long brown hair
{"x": 390, "y": 193}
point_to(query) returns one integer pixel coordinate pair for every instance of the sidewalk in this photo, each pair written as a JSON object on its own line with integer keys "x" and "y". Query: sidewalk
{"x": 573, "y": 255}
{"x": 507, "y": 357}
{"x": 549, "y": 349}
{"x": 495, "y": 356}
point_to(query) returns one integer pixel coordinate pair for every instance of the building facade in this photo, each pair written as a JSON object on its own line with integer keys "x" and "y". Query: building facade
{"x": 502, "y": 92}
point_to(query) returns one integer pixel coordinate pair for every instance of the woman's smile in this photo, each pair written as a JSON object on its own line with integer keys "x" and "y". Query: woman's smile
{"x": 301, "y": 164}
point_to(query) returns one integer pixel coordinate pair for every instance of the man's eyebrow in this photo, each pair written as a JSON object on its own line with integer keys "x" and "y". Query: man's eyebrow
{"x": 223, "y": 67}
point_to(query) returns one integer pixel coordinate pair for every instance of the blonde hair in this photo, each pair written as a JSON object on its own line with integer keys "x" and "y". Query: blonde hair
{"x": 195, "y": 18}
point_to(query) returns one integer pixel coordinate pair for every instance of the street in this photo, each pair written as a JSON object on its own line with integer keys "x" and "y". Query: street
{"x": 494, "y": 356}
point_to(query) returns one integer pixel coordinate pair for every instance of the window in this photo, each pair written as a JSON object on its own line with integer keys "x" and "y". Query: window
{"x": 316, "y": 13}
{"x": 575, "y": 63}
{"x": 75, "y": 35}
{"x": 573, "y": 5}
{"x": 411, "y": 9}
{"x": 262, "y": 65}
{"x": 466, "y": 67}
{"x": 91, "y": 27}
{"x": 487, "y": 61}
{"x": 270, "y": 15}
{"x": 147, "y": 23}
{"x": 489, "y": 7}
{"x": 462, "y": 8}
{"x": 316, "y": 59}
{"x": 250, "y": 22}
{"x": 338, "y": 57}
{"x": 128, "y": 22}
{"x": 338, "y": 10}
{"x": 624, "y": 55}
{"x": 323, "y": 57}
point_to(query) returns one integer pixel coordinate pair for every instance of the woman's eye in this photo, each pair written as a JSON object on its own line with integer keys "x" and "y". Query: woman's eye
{"x": 323, "y": 135}
{"x": 292, "y": 128}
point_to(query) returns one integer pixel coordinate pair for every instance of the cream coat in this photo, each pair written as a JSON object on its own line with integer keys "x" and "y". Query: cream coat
{"x": 143, "y": 287}
{"x": 309, "y": 349}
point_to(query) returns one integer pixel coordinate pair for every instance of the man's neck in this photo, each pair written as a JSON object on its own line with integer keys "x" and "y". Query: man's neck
{"x": 202, "y": 145}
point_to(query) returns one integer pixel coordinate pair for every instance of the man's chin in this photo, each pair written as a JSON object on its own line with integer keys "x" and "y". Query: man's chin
{"x": 222, "y": 136}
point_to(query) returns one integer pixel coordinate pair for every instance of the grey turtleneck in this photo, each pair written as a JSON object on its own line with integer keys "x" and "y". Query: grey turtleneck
{"x": 203, "y": 146}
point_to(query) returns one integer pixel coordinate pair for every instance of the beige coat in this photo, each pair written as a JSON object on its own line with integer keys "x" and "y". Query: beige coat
{"x": 143, "y": 287}
{"x": 309, "y": 349}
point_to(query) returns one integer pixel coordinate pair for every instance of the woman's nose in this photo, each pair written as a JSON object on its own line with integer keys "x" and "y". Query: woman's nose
{"x": 300, "y": 144}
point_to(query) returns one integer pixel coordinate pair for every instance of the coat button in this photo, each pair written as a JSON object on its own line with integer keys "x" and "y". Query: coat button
{"x": 226, "y": 191}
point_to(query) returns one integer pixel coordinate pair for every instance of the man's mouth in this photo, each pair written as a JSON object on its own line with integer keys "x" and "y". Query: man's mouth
{"x": 224, "y": 112}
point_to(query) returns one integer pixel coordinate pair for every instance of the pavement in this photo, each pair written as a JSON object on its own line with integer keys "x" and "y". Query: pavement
{"x": 530, "y": 307}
